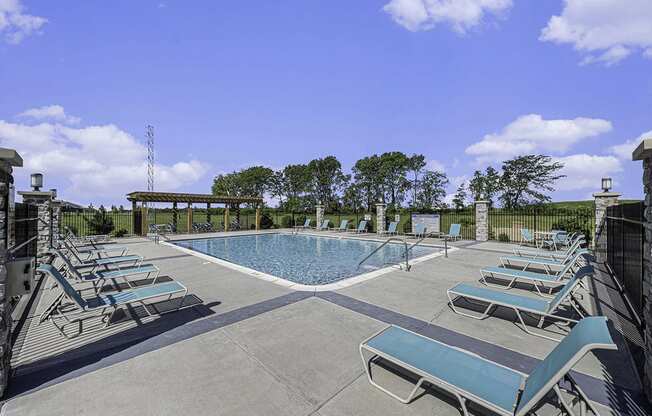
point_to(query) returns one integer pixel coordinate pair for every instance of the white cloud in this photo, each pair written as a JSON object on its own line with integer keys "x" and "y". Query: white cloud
{"x": 531, "y": 133}
{"x": 624, "y": 150}
{"x": 461, "y": 15}
{"x": 584, "y": 171}
{"x": 605, "y": 31}
{"x": 91, "y": 164}
{"x": 16, "y": 25}
{"x": 50, "y": 112}
{"x": 435, "y": 165}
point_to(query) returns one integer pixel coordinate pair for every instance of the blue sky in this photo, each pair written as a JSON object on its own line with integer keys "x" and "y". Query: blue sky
{"x": 231, "y": 84}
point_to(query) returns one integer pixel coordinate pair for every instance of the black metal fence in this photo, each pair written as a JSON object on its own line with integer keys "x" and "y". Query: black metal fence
{"x": 26, "y": 228}
{"x": 506, "y": 224}
{"x": 464, "y": 217}
{"x": 81, "y": 222}
{"x": 624, "y": 225}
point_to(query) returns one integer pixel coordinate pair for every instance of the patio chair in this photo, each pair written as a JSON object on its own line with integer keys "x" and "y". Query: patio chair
{"x": 78, "y": 308}
{"x": 547, "y": 263}
{"x": 134, "y": 259}
{"x": 454, "y": 232}
{"x": 94, "y": 248}
{"x": 527, "y": 237}
{"x": 324, "y": 226}
{"x": 97, "y": 238}
{"x": 99, "y": 277}
{"x": 537, "y": 279}
{"x": 469, "y": 377}
{"x": 419, "y": 231}
{"x": 87, "y": 253}
{"x": 344, "y": 225}
{"x": 391, "y": 229}
{"x": 519, "y": 303}
{"x": 362, "y": 227}
{"x": 305, "y": 225}
{"x": 547, "y": 254}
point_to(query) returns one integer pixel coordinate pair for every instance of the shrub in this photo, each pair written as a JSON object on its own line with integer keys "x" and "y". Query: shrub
{"x": 73, "y": 229}
{"x": 100, "y": 223}
{"x": 503, "y": 238}
{"x": 121, "y": 232}
{"x": 572, "y": 225}
{"x": 286, "y": 221}
{"x": 407, "y": 227}
{"x": 266, "y": 221}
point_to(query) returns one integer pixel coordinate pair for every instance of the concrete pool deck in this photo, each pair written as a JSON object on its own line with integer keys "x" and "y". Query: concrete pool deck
{"x": 248, "y": 346}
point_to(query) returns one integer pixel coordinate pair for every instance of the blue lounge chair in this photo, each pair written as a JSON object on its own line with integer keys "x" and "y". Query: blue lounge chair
{"x": 99, "y": 277}
{"x": 344, "y": 225}
{"x": 559, "y": 255}
{"x": 537, "y": 279}
{"x": 105, "y": 262}
{"x": 527, "y": 237}
{"x": 93, "y": 250}
{"x": 519, "y": 303}
{"x": 305, "y": 225}
{"x": 419, "y": 231}
{"x": 324, "y": 225}
{"x": 362, "y": 227}
{"x": 547, "y": 264}
{"x": 78, "y": 308}
{"x": 454, "y": 232}
{"x": 391, "y": 230}
{"x": 469, "y": 377}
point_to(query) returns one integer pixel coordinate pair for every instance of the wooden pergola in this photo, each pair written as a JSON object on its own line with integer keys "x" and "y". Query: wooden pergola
{"x": 174, "y": 198}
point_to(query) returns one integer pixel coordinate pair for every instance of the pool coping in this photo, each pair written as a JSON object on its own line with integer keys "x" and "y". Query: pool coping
{"x": 341, "y": 284}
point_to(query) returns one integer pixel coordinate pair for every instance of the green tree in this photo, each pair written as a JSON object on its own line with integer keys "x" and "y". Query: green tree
{"x": 460, "y": 197}
{"x": 99, "y": 222}
{"x": 484, "y": 186}
{"x": 525, "y": 180}
{"x": 393, "y": 170}
{"x": 352, "y": 198}
{"x": 297, "y": 181}
{"x": 368, "y": 181}
{"x": 432, "y": 190}
{"x": 327, "y": 181}
{"x": 415, "y": 165}
{"x": 477, "y": 186}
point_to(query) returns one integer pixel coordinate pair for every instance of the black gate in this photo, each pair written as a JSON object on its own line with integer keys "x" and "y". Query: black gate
{"x": 625, "y": 238}
{"x": 26, "y": 227}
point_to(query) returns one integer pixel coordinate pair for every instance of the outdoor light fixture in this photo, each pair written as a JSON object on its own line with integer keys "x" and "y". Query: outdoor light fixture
{"x": 606, "y": 184}
{"x": 53, "y": 191}
{"x": 37, "y": 181}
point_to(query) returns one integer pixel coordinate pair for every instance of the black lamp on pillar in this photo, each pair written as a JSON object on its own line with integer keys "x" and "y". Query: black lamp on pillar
{"x": 606, "y": 184}
{"x": 36, "y": 181}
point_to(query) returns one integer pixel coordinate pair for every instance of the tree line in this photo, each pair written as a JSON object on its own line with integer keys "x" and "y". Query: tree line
{"x": 394, "y": 178}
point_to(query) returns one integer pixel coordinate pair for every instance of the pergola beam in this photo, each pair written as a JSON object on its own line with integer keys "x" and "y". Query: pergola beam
{"x": 191, "y": 198}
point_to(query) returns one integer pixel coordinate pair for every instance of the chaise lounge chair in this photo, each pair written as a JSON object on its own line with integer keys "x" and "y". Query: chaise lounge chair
{"x": 519, "y": 303}
{"x": 74, "y": 311}
{"x": 391, "y": 230}
{"x": 537, "y": 279}
{"x": 469, "y": 377}
{"x": 100, "y": 262}
{"x": 344, "y": 225}
{"x": 454, "y": 232}
{"x": 324, "y": 226}
{"x": 305, "y": 226}
{"x": 362, "y": 227}
{"x": 97, "y": 250}
{"x": 547, "y": 264}
{"x": 527, "y": 237}
{"x": 548, "y": 254}
{"x": 419, "y": 231}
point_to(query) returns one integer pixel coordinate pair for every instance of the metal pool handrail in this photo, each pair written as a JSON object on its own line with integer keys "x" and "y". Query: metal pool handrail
{"x": 407, "y": 263}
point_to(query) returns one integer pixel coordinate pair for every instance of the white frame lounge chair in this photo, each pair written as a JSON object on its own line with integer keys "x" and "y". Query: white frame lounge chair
{"x": 135, "y": 259}
{"x": 519, "y": 303}
{"x": 391, "y": 229}
{"x": 323, "y": 226}
{"x": 548, "y": 254}
{"x": 454, "y": 232}
{"x": 547, "y": 264}
{"x": 344, "y": 225}
{"x": 419, "y": 231}
{"x": 469, "y": 377}
{"x": 305, "y": 226}
{"x": 79, "y": 308}
{"x": 534, "y": 278}
{"x": 361, "y": 228}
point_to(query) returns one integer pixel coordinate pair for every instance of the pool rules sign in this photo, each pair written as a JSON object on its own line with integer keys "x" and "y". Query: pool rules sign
{"x": 430, "y": 221}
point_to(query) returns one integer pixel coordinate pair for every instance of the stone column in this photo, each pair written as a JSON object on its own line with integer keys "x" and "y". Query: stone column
{"x": 603, "y": 200}
{"x": 644, "y": 152}
{"x": 257, "y": 217}
{"x": 482, "y": 220}
{"x": 55, "y": 212}
{"x": 44, "y": 228}
{"x": 8, "y": 159}
{"x": 319, "y": 208}
{"x": 380, "y": 217}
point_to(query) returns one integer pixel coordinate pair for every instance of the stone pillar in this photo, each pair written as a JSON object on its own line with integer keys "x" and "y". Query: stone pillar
{"x": 380, "y": 217}
{"x": 482, "y": 220}
{"x": 44, "y": 226}
{"x": 603, "y": 200}
{"x": 8, "y": 159}
{"x": 226, "y": 218}
{"x": 644, "y": 152}
{"x": 55, "y": 213}
{"x": 189, "y": 218}
{"x": 257, "y": 217}
{"x": 319, "y": 208}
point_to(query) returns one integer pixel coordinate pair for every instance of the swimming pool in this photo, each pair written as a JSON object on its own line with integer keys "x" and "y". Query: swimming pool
{"x": 303, "y": 259}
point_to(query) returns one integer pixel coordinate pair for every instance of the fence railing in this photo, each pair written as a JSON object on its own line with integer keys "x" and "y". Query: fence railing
{"x": 624, "y": 225}
{"x": 506, "y": 224}
{"x": 80, "y": 222}
{"x": 464, "y": 217}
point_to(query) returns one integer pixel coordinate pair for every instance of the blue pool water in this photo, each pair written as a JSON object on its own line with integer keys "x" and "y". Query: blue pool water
{"x": 304, "y": 259}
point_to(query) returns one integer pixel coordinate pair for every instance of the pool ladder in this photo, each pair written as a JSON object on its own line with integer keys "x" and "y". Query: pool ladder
{"x": 405, "y": 253}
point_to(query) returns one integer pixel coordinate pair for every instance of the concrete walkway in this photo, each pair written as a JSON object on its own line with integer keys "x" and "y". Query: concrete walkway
{"x": 251, "y": 347}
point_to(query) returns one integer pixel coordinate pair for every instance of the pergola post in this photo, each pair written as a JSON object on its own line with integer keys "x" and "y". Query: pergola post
{"x": 175, "y": 217}
{"x": 144, "y": 220}
{"x": 257, "y": 217}
{"x": 226, "y": 218}
{"x": 208, "y": 212}
{"x": 134, "y": 207}
{"x": 189, "y": 217}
